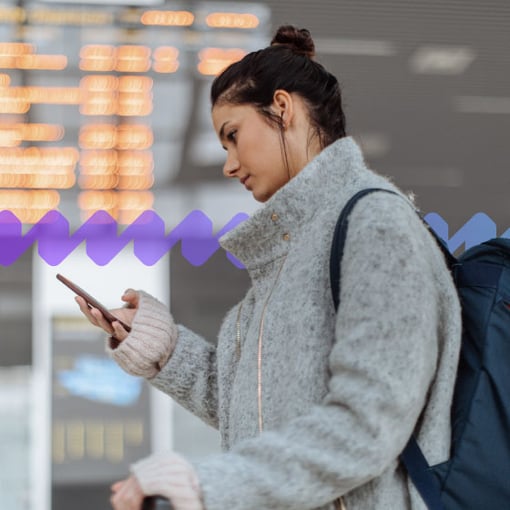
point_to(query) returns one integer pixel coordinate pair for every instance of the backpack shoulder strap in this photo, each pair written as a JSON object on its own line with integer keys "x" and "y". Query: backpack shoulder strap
{"x": 337, "y": 246}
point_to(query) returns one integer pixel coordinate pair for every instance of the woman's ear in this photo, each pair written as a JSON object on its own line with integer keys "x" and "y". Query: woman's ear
{"x": 283, "y": 106}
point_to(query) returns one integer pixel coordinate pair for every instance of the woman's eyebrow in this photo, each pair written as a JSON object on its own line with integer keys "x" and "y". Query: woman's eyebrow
{"x": 222, "y": 130}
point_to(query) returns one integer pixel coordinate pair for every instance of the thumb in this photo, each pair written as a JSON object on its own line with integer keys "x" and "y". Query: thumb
{"x": 117, "y": 486}
{"x": 131, "y": 297}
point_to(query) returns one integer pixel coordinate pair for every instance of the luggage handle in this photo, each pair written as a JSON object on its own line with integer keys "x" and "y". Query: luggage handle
{"x": 156, "y": 503}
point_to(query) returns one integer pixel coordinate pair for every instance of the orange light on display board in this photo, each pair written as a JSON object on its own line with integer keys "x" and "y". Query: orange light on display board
{"x": 134, "y": 104}
{"x": 133, "y": 203}
{"x": 135, "y": 182}
{"x": 135, "y": 84}
{"x": 101, "y": 57}
{"x": 41, "y": 132}
{"x": 49, "y": 95}
{"x": 135, "y": 170}
{"x": 135, "y": 163}
{"x": 124, "y": 206}
{"x": 165, "y": 59}
{"x": 38, "y": 181}
{"x": 5, "y": 80}
{"x": 46, "y": 62}
{"x": 99, "y": 83}
{"x": 15, "y": 49}
{"x": 98, "y": 57}
{"x": 36, "y": 167}
{"x": 47, "y": 160}
{"x": 98, "y": 136}
{"x": 133, "y": 59}
{"x": 102, "y": 162}
{"x": 23, "y": 56}
{"x": 122, "y": 137}
{"x": 134, "y": 136}
{"x": 11, "y": 135}
{"x": 109, "y": 169}
{"x": 99, "y": 182}
{"x": 92, "y": 201}
{"x": 29, "y": 206}
{"x": 46, "y": 199}
{"x": 214, "y": 60}
{"x": 232, "y": 20}
{"x": 99, "y": 95}
{"x": 11, "y": 102}
{"x": 109, "y": 95}
{"x": 168, "y": 18}
{"x": 99, "y": 103}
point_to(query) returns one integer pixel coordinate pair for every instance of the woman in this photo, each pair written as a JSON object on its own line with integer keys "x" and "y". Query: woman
{"x": 313, "y": 407}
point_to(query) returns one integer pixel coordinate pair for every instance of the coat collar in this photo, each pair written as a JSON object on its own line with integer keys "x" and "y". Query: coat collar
{"x": 266, "y": 235}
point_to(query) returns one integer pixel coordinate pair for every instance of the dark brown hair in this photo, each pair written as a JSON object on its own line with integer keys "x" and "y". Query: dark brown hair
{"x": 287, "y": 64}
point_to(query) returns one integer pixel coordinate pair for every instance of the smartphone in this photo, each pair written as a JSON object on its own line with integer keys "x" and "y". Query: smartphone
{"x": 92, "y": 302}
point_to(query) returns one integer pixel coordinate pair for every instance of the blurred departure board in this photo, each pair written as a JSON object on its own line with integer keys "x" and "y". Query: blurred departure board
{"x": 95, "y": 99}
{"x": 100, "y": 414}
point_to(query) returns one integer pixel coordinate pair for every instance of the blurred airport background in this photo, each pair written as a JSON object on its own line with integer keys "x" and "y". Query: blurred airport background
{"x": 104, "y": 107}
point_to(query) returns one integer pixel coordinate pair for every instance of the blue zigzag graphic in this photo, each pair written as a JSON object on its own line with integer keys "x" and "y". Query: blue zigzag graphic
{"x": 150, "y": 242}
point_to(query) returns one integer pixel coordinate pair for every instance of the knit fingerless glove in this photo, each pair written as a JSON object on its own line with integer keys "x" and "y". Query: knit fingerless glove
{"x": 169, "y": 475}
{"x": 149, "y": 345}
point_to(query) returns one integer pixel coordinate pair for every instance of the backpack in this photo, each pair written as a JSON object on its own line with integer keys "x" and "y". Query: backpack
{"x": 477, "y": 474}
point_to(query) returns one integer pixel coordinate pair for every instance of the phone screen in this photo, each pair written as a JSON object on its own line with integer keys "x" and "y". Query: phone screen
{"x": 91, "y": 301}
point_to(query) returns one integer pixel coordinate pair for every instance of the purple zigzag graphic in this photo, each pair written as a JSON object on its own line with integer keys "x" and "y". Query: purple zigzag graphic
{"x": 103, "y": 243}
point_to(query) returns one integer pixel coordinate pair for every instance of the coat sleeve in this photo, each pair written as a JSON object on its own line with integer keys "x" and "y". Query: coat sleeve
{"x": 381, "y": 365}
{"x": 190, "y": 376}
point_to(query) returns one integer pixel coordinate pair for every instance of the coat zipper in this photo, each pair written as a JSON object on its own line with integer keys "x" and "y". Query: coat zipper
{"x": 259, "y": 355}
{"x": 238, "y": 332}
{"x": 259, "y": 349}
{"x": 339, "y": 504}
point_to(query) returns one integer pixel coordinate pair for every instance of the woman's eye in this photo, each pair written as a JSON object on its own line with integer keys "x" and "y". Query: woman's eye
{"x": 231, "y": 137}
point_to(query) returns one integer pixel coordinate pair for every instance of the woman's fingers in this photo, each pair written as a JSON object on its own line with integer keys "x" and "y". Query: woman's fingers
{"x": 125, "y": 315}
{"x": 94, "y": 316}
{"x": 127, "y": 495}
{"x": 101, "y": 321}
{"x": 85, "y": 309}
{"x": 119, "y": 332}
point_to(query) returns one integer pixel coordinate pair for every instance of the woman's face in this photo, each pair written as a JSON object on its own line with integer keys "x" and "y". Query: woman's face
{"x": 254, "y": 152}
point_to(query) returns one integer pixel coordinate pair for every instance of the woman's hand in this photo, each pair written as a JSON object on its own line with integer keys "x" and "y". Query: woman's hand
{"x": 165, "y": 474}
{"x": 127, "y": 494}
{"x": 125, "y": 314}
{"x": 169, "y": 475}
{"x": 146, "y": 349}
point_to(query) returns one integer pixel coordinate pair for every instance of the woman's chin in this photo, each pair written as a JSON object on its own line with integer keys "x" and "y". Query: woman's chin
{"x": 261, "y": 197}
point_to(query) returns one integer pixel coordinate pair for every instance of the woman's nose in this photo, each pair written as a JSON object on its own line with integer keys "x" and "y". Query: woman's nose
{"x": 231, "y": 165}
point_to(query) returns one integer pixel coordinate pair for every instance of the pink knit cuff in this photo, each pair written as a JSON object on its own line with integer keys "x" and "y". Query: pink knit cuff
{"x": 151, "y": 342}
{"x": 169, "y": 475}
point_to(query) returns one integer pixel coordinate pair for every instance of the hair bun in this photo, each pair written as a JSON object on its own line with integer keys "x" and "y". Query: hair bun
{"x": 298, "y": 40}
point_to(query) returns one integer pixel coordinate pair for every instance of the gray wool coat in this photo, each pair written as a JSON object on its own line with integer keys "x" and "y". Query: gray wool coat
{"x": 312, "y": 405}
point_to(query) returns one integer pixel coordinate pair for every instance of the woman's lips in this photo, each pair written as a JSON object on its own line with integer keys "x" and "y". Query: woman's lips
{"x": 243, "y": 181}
